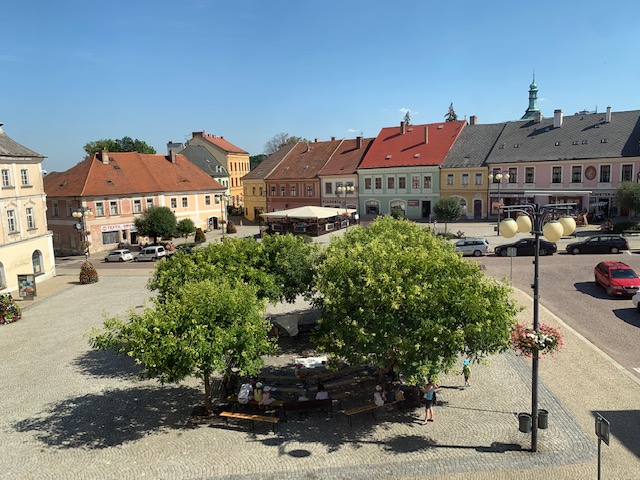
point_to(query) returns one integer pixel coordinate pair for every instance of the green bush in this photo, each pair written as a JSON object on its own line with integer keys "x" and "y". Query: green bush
{"x": 200, "y": 236}
{"x": 9, "y": 311}
{"x": 231, "y": 227}
{"x": 88, "y": 273}
{"x": 627, "y": 225}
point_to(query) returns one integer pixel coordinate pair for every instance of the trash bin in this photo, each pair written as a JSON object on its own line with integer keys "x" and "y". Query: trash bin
{"x": 543, "y": 419}
{"x": 524, "y": 422}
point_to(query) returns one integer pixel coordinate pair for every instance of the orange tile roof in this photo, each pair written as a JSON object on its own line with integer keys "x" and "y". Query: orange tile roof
{"x": 346, "y": 158}
{"x": 391, "y": 148}
{"x": 304, "y": 161}
{"x": 220, "y": 142}
{"x": 129, "y": 173}
{"x": 268, "y": 164}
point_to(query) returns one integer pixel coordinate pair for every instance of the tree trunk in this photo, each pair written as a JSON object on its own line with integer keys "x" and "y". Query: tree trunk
{"x": 207, "y": 393}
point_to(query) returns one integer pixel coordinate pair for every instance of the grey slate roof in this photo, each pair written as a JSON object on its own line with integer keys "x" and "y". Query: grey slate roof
{"x": 204, "y": 160}
{"x": 11, "y": 148}
{"x": 473, "y": 145}
{"x": 581, "y": 136}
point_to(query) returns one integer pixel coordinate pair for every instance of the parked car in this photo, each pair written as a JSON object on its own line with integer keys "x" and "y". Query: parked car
{"x": 472, "y": 246}
{"x": 122, "y": 255}
{"x": 599, "y": 244}
{"x": 152, "y": 253}
{"x": 617, "y": 278}
{"x": 526, "y": 246}
{"x": 636, "y": 300}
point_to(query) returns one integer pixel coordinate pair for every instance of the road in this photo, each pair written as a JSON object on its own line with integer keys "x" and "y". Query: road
{"x": 567, "y": 288}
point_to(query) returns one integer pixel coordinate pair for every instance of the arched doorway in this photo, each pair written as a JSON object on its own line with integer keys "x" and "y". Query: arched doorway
{"x": 372, "y": 207}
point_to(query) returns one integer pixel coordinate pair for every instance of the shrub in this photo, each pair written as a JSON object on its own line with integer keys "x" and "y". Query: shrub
{"x": 9, "y": 311}
{"x": 231, "y": 227}
{"x": 88, "y": 273}
{"x": 626, "y": 225}
{"x": 200, "y": 236}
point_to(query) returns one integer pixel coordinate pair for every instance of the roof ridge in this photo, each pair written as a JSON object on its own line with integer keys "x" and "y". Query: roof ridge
{"x": 86, "y": 177}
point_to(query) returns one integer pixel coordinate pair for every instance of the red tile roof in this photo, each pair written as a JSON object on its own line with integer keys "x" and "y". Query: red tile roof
{"x": 220, "y": 142}
{"x": 129, "y": 173}
{"x": 267, "y": 165}
{"x": 304, "y": 161}
{"x": 391, "y": 148}
{"x": 346, "y": 158}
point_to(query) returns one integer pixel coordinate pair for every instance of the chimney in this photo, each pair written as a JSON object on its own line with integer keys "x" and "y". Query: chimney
{"x": 607, "y": 116}
{"x": 104, "y": 157}
{"x": 557, "y": 118}
{"x": 197, "y": 134}
{"x": 402, "y": 128}
{"x": 473, "y": 120}
{"x": 358, "y": 143}
{"x": 172, "y": 156}
{"x": 315, "y": 140}
{"x": 174, "y": 147}
{"x": 426, "y": 135}
{"x": 537, "y": 117}
{"x": 333, "y": 139}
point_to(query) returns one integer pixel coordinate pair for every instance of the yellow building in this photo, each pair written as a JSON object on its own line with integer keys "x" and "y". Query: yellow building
{"x": 464, "y": 174}
{"x": 26, "y": 245}
{"x": 234, "y": 159}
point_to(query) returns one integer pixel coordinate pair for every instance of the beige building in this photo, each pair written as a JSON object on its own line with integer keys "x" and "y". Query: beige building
{"x": 26, "y": 245}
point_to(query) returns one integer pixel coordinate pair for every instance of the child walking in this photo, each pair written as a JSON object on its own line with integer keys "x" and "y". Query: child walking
{"x": 466, "y": 371}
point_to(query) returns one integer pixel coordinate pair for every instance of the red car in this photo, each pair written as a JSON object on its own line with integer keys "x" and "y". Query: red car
{"x": 617, "y": 278}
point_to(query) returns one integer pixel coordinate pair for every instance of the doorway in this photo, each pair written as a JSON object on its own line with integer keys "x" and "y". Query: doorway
{"x": 426, "y": 209}
{"x": 477, "y": 209}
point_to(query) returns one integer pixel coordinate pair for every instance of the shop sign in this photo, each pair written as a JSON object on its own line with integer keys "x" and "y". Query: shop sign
{"x": 118, "y": 226}
{"x": 414, "y": 203}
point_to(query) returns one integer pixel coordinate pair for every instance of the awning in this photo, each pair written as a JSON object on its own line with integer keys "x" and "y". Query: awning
{"x": 309, "y": 212}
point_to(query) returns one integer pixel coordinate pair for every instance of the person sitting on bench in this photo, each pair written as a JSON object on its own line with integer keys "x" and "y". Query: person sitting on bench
{"x": 322, "y": 393}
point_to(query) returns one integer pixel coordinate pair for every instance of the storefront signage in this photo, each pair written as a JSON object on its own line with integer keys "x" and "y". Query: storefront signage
{"x": 414, "y": 203}
{"x": 118, "y": 226}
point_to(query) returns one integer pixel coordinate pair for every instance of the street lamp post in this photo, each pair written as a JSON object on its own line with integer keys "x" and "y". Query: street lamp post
{"x": 499, "y": 175}
{"x": 533, "y": 219}
{"x": 82, "y": 214}
{"x": 345, "y": 190}
{"x": 223, "y": 213}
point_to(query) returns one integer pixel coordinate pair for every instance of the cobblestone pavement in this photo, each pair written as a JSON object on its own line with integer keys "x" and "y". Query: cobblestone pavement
{"x": 71, "y": 412}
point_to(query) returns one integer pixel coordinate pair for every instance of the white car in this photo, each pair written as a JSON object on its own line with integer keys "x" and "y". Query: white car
{"x": 473, "y": 246}
{"x": 636, "y": 300}
{"x": 151, "y": 254}
{"x": 122, "y": 255}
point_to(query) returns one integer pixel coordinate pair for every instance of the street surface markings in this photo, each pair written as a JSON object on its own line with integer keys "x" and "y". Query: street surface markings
{"x": 637, "y": 369}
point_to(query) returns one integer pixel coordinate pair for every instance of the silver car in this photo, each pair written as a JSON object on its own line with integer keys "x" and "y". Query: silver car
{"x": 472, "y": 246}
{"x": 122, "y": 255}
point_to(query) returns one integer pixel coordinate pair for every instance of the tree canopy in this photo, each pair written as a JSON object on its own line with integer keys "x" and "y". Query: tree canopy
{"x": 280, "y": 140}
{"x": 407, "y": 118}
{"x": 451, "y": 114}
{"x": 394, "y": 289}
{"x": 185, "y": 227}
{"x": 255, "y": 160}
{"x": 628, "y": 196}
{"x": 447, "y": 209}
{"x": 208, "y": 326}
{"x": 157, "y": 222}
{"x": 124, "y": 144}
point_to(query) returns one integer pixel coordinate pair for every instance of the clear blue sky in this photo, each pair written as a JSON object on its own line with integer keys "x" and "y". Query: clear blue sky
{"x": 74, "y": 71}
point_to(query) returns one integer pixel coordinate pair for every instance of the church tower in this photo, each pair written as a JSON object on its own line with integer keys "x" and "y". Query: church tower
{"x": 530, "y": 113}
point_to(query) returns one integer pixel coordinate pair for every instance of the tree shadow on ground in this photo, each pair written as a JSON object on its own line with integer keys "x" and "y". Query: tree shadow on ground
{"x": 107, "y": 364}
{"x": 112, "y": 418}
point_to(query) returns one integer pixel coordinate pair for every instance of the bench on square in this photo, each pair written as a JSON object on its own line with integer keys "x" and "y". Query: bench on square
{"x": 367, "y": 407}
{"x": 319, "y": 377}
{"x": 252, "y": 418}
{"x": 309, "y": 405}
{"x": 252, "y": 403}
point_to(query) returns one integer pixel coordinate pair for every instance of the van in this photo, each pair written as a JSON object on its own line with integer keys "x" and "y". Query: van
{"x": 153, "y": 253}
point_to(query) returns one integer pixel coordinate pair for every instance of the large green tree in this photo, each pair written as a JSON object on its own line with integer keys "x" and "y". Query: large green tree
{"x": 157, "y": 222}
{"x": 124, "y": 144}
{"x": 280, "y": 140}
{"x": 209, "y": 326}
{"x": 447, "y": 209}
{"x": 185, "y": 227}
{"x": 395, "y": 289}
{"x": 255, "y": 160}
{"x": 628, "y": 196}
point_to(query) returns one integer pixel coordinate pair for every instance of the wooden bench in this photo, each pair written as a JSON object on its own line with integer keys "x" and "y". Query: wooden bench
{"x": 252, "y": 418}
{"x": 338, "y": 373}
{"x": 234, "y": 400}
{"x": 308, "y": 405}
{"x": 367, "y": 407}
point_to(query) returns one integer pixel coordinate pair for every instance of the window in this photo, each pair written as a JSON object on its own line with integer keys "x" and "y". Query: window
{"x": 31, "y": 219}
{"x": 273, "y": 191}
{"x": 174, "y": 203}
{"x": 3, "y": 277}
{"x": 402, "y": 183}
{"x": 328, "y": 187}
{"x": 185, "y": 202}
{"x": 113, "y": 207}
{"x": 465, "y": 179}
{"x": 6, "y": 180}
{"x": 576, "y": 174}
{"x": 391, "y": 183}
{"x": 367, "y": 184}
{"x": 253, "y": 191}
{"x": 110, "y": 237}
{"x": 56, "y": 210}
{"x": 427, "y": 182}
{"x": 293, "y": 190}
{"x": 378, "y": 183}
{"x": 283, "y": 191}
{"x": 207, "y": 199}
{"x": 149, "y": 203}
{"x": 309, "y": 190}
{"x": 24, "y": 177}
{"x": 449, "y": 178}
{"x": 605, "y": 173}
{"x": 36, "y": 261}
{"x": 69, "y": 209}
{"x": 478, "y": 179}
{"x": 99, "y": 209}
{"x": 513, "y": 175}
{"x": 556, "y": 175}
{"x": 137, "y": 206}
{"x": 260, "y": 191}
{"x": 11, "y": 221}
{"x": 627, "y": 173}
{"x": 415, "y": 182}
{"x": 529, "y": 176}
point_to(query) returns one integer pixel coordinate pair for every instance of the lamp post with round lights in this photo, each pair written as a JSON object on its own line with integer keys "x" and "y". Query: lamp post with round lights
{"x": 82, "y": 214}
{"x": 345, "y": 190}
{"x": 498, "y": 176}
{"x": 538, "y": 220}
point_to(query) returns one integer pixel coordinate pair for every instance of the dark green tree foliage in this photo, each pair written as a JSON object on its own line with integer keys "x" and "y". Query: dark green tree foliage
{"x": 407, "y": 118}
{"x": 157, "y": 222}
{"x": 208, "y": 326}
{"x": 447, "y": 209}
{"x": 395, "y": 289}
{"x": 256, "y": 160}
{"x": 125, "y": 144}
{"x": 451, "y": 114}
{"x": 628, "y": 196}
{"x": 185, "y": 227}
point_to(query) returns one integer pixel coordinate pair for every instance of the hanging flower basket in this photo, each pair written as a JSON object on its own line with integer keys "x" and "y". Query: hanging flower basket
{"x": 9, "y": 311}
{"x": 526, "y": 341}
{"x": 88, "y": 273}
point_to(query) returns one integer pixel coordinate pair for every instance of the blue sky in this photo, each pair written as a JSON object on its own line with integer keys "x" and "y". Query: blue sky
{"x": 76, "y": 71}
